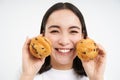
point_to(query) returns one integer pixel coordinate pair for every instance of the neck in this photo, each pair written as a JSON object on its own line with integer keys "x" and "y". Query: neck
{"x": 59, "y": 66}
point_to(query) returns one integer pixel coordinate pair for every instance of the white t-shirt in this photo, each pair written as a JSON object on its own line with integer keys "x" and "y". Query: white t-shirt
{"x": 54, "y": 74}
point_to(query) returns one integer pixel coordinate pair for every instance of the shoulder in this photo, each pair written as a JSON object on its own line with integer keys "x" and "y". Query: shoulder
{"x": 42, "y": 76}
{"x": 38, "y": 77}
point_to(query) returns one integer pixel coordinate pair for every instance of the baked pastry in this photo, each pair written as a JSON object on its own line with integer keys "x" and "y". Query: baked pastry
{"x": 86, "y": 49}
{"x": 40, "y": 47}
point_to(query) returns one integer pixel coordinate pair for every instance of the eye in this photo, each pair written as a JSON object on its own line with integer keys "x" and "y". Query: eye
{"x": 74, "y": 32}
{"x": 54, "y": 31}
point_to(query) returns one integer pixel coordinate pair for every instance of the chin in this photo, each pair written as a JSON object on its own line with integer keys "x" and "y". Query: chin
{"x": 64, "y": 61}
{"x": 63, "y": 58}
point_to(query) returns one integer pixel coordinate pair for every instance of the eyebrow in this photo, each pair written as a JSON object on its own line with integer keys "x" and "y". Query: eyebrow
{"x": 56, "y": 26}
{"x": 53, "y": 26}
{"x": 74, "y": 27}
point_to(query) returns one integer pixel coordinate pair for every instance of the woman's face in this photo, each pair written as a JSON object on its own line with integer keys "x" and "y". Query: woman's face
{"x": 63, "y": 29}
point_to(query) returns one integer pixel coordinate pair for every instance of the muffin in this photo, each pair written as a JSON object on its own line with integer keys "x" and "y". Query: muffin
{"x": 40, "y": 47}
{"x": 86, "y": 49}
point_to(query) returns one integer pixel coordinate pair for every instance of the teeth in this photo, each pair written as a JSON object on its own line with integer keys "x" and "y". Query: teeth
{"x": 64, "y": 51}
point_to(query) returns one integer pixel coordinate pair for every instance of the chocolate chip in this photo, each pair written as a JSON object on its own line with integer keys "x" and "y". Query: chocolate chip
{"x": 40, "y": 55}
{"x": 81, "y": 42}
{"x": 42, "y": 48}
{"x": 36, "y": 39}
{"x": 94, "y": 49}
{"x": 84, "y": 52}
{"x": 95, "y": 44}
{"x": 33, "y": 46}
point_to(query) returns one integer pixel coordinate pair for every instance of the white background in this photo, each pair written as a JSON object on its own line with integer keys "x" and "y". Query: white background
{"x": 21, "y": 18}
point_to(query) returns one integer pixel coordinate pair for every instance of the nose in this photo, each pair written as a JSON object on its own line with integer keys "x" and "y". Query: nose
{"x": 64, "y": 40}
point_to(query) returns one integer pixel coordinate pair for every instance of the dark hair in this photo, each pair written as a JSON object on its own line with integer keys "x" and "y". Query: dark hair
{"x": 77, "y": 64}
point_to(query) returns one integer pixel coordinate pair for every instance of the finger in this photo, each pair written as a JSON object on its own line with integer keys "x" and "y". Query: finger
{"x": 41, "y": 34}
{"x": 101, "y": 50}
{"x": 101, "y": 54}
{"x": 87, "y": 37}
{"x": 27, "y": 42}
{"x": 25, "y": 46}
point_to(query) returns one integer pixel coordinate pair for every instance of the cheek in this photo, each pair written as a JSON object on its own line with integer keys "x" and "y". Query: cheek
{"x": 76, "y": 38}
{"x": 52, "y": 38}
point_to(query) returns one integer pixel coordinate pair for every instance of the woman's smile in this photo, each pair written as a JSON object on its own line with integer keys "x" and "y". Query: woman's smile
{"x": 64, "y": 51}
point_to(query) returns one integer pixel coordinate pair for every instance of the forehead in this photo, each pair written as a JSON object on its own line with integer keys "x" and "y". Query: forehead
{"x": 63, "y": 17}
{"x": 62, "y": 12}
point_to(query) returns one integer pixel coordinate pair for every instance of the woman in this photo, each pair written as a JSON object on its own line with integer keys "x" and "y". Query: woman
{"x": 64, "y": 26}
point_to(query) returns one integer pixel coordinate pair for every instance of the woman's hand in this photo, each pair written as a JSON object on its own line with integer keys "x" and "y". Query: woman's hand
{"x": 30, "y": 64}
{"x": 95, "y": 68}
